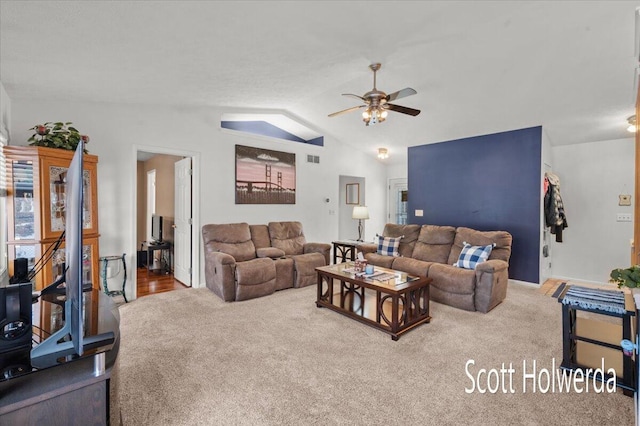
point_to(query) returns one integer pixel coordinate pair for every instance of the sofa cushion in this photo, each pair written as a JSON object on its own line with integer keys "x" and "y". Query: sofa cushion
{"x": 434, "y": 243}
{"x": 287, "y": 236}
{"x": 412, "y": 266}
{"x": 231, "y": 238}
{"x": 260, "y": 236}
{"x": 388, "y": 246}
{"x": 380, "y": 260}
{"x": 470, "y": 256}
{"x": 502, "y": 239}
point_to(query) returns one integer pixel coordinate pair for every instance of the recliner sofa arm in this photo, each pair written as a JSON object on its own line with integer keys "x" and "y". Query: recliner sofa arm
{"x": 219, "y": 272}
{"x": 322, "y": 248}
{"x": 492, "y": 278}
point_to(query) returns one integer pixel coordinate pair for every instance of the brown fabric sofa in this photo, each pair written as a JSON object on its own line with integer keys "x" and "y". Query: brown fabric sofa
{"x": 245, "y": 261}
{"x": 430, "y": 250}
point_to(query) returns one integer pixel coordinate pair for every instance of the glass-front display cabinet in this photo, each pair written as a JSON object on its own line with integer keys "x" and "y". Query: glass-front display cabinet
{"x": 36, "y": 211}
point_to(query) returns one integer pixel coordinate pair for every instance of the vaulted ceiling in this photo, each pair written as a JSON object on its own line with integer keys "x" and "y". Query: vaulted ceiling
{"x": 478, "y": 67}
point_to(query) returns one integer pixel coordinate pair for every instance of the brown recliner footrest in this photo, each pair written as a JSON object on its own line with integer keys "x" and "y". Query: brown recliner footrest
{"x": 305, "y": 266}
{"x": 255, "y": 278}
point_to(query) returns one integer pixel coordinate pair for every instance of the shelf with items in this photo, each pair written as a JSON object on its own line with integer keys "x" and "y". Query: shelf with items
{"x": 594, "y": 322}
{"x": 36, "y": 208}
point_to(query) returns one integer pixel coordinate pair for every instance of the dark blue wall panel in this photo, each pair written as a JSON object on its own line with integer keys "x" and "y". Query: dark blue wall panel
{"x": 489, "y": 182}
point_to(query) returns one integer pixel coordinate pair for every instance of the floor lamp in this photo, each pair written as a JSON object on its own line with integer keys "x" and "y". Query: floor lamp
{"x": 361, "y": 213}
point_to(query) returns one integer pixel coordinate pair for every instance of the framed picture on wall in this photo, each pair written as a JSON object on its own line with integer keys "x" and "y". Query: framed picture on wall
{"x": 264, "y": 176}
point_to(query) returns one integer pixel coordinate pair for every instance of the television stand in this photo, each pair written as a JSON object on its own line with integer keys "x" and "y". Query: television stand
{"x": 164, "y": 264}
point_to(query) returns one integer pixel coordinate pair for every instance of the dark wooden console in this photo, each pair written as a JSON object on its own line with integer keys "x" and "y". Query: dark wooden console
{"x": 77, "y": 390}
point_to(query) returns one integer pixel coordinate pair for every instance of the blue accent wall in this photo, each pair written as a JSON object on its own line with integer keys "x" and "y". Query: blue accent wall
{"x": 489, "y": 182}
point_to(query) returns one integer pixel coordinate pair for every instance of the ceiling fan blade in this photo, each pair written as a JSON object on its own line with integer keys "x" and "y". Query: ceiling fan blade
{"x": 404, "y": 110}
{"x": 354, "y": 96}
{"x": 401, "y": 94}
{"x": 347, "y": 110}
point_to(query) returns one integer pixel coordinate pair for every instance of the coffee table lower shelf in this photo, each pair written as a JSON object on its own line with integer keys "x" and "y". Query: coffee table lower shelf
{"x": 394, "y": 311}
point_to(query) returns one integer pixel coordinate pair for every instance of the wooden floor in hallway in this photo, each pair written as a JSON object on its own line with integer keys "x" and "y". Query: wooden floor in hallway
{"x": 152, "y": 282}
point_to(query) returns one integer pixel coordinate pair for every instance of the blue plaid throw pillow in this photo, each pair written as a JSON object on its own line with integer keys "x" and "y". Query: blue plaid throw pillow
{"x": 388, "y": 246}
{"x": 470, "y": 255}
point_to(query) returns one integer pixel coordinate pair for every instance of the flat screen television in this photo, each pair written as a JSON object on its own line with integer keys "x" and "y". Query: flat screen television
{"x": 156, "y": 228}
{"x": 70, "y": 341}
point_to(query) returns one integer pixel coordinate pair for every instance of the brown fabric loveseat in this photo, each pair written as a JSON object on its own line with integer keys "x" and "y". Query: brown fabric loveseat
{"x": 430, "y": 250}
{"x": 245, "y": 261}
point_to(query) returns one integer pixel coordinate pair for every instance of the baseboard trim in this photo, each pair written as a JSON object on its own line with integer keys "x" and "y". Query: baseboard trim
{"x": 524, "y": 283}
{"x": 580, "y": 280}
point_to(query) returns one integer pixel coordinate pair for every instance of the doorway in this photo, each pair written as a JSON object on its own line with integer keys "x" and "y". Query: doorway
{"x": 352, "y": 193}
{"x": 398, "y": 197}
{"x": 155, "y": 171}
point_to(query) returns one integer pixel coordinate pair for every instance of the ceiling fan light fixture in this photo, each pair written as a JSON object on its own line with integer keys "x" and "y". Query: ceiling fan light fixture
{"x": 376, "y": 102}
{"x": 632, "y": 124}
{"x": 383, "y": 153}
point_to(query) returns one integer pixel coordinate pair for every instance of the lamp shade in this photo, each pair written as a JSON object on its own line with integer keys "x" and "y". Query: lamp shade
{"x": 360, "y": 212}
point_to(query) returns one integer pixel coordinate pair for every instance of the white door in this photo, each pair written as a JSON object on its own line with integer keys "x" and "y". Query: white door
{"x": 397, "y": 201}
{"x": 151, "y": 200}
{"x": 182, "y": 223}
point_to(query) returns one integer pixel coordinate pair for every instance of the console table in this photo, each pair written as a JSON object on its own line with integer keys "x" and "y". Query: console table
{"x": 164, "y": 265}
{"x": 75, "y": 390}
{"x": 345, "y": 250}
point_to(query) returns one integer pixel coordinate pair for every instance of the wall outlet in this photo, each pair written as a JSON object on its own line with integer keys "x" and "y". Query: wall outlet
{"x": 419, "y": 213}
{"x": 623, "y": 217}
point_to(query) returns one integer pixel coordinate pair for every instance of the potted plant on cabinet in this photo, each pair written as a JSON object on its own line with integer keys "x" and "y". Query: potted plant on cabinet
{"x": 57, "y": 135}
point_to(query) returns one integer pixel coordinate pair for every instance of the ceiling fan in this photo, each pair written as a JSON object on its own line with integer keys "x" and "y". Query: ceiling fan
{"x": 377, "y": 103}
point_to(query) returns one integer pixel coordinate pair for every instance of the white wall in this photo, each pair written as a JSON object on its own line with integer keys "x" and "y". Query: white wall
{"x": 115, "y": 129}
{"x": 592, "y": 175}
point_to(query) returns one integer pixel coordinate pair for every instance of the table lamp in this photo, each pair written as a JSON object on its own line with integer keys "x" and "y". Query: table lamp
{"x": 361, "y": 213}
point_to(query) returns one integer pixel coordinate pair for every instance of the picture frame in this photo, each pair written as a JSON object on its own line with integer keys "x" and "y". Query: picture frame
{"x": 264, "y": 176}
{"x": 353, "y": 193}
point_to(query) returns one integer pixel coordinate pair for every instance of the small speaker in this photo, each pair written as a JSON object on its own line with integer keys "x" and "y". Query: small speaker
{"x": 15, "y": 317}
{"x": 20, "y": 271}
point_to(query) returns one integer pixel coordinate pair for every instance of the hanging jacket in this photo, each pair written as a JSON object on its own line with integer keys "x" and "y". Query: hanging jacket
{"x": 554, "y": 214}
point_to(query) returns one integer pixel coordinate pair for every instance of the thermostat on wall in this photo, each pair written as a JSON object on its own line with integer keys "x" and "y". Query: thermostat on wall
{"x": 624, "y": 200}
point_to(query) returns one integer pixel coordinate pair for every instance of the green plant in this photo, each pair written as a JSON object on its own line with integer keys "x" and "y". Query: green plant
{"x": 629, "y": 277}
{"x": 57, "y": 135}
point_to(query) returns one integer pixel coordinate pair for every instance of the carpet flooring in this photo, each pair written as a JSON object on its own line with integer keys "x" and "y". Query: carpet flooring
{"x": 187, "y": 358}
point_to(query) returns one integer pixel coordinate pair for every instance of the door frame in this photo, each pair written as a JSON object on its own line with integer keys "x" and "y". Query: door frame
{"x": 195, "y": 209}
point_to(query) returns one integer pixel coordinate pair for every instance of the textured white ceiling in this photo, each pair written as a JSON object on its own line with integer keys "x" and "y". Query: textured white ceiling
{"x": 478, "y": 67}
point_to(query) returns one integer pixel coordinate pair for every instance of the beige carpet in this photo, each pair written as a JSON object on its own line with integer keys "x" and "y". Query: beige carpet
{"x": 187, "y": 358}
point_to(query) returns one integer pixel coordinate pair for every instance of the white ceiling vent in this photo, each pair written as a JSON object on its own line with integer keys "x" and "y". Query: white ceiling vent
{"x": 313, "y": 159}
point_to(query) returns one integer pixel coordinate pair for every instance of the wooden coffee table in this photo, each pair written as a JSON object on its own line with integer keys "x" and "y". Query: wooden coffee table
{"x": 394, "y": 306}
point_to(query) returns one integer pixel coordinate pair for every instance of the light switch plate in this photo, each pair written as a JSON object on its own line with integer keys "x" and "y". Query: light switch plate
{"x": 419, "y": 213}
{"x": 623, "y": 217}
